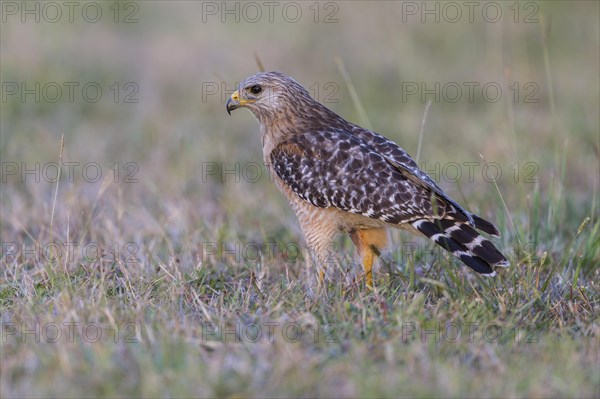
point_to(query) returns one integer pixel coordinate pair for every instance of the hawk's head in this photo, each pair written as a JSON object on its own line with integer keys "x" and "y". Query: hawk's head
{"x": 267, "y": 93}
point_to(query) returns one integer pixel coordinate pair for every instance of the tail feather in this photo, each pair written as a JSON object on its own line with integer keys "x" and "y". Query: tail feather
{"x": 464, "y": 242}
{"x": 485, "y": 226}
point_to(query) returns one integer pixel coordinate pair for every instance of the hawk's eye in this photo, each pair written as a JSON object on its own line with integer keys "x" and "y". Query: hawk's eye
{"x": 255, "y": 89}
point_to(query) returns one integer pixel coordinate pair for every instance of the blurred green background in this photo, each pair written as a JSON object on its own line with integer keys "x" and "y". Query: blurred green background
{"x": 182, "y": 59}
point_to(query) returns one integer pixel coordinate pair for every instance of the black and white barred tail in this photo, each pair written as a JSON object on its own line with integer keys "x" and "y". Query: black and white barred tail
{"x": 464, "y": 242}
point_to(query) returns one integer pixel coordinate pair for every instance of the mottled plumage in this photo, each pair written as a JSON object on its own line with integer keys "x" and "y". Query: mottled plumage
{"x": 341, "y": 177}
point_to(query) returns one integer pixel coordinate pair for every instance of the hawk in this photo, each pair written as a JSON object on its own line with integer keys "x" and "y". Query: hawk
{"x": 340, "y": 177}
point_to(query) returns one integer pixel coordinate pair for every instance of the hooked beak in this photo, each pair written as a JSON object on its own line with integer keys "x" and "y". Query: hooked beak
{"x": 233, "y": 102}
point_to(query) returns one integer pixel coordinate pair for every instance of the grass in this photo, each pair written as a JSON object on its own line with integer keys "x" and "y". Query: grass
{"x": 181, "y": 272}
{"x": 181, "y": 330}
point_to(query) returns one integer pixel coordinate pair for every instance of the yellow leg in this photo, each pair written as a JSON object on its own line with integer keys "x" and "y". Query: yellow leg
{"x": 367, "y": 261}
{"x": 321, "y": 276}
{"x": 368, "y": 243}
